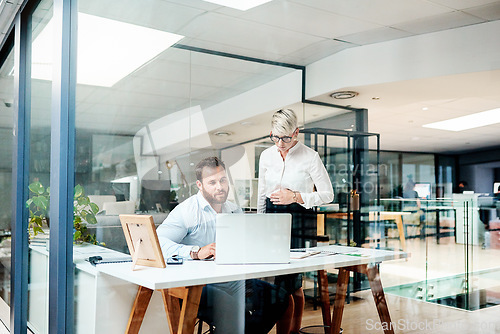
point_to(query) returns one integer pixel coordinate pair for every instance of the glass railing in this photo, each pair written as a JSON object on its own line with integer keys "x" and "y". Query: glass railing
{"x": 452, "y": 245}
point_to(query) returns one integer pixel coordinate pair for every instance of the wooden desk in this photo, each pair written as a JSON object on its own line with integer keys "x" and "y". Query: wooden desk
{"x": 193, "y": 275}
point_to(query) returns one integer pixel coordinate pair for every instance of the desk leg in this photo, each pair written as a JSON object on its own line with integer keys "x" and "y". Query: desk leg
{"x": 340, "y": 295}
{"x": 320, "y": 222}
{"x": 181, "y": 320}
{"x": 324, "y": 296}
{"x": 338, "y": 305}
{"x": 402, "y": 239}
{"x": 438, "y": 227}
{"x": 379, "y": 298}
{"x": 138, "y": 310}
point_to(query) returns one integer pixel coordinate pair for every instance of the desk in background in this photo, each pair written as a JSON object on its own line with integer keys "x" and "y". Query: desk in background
{"x": 188, "y": 279}
{"x": 397, "y": 217}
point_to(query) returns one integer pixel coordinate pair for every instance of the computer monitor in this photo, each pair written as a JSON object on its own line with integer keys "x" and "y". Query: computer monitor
{"x": 155, "y": 195}
{"x": 423, "y": 189}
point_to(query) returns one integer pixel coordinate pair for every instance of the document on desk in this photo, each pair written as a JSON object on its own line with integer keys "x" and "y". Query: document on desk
{"x": 302, "y": 253}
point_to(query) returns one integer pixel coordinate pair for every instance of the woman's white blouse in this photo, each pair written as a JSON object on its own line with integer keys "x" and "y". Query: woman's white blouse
{"x": 301, "y": 170}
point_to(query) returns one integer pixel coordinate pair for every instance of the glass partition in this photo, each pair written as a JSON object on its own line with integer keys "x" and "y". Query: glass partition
{"x": 153, "y": 98}
{"x": 6, "y": 124}
{"x": 453, "y": 244}
{"x": 39, "y": 173}
{"x": 147, "y": 110}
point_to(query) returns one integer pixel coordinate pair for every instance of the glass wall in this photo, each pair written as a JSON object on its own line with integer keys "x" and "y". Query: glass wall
{"x": 39, "y": 105}
{"x": 149, "y": 105}
{"x": 6, "y": 123}
{"x": 143, "y": 121}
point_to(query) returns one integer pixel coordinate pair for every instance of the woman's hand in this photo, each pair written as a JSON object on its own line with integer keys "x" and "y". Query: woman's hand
{"x": 284, "y": 197}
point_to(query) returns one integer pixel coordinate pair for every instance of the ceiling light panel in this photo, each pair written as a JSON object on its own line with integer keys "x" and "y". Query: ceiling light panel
{"x": 471, "y": 121}
{"x": 108, "y": 50}
{"x": 239, "y": 4}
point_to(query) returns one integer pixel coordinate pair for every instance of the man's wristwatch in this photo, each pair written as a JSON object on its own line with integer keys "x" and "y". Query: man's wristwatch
{"x": 194, "y": 252}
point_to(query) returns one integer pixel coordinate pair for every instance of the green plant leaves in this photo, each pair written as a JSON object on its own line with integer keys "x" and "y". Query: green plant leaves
{"x": 91, "y": 219}
{"x": 78, "y": 191}
{"x": 82, "y": 200}
{"x": 41, "y": 202}
{"x": 37, "y": 188}
{"x": 84, "y": 212}
{"x": 94, "y": 207}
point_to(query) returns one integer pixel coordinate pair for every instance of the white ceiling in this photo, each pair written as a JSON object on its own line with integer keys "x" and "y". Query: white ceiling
{"x": 298, "y": 32}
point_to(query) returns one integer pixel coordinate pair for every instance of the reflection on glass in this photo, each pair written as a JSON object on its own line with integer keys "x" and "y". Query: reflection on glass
{"x": 39, "y": 172}
{"x": 6, "y": 110}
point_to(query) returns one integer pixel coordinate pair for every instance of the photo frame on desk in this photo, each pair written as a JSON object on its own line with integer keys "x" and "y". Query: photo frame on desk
{"x": 142, "y": 240}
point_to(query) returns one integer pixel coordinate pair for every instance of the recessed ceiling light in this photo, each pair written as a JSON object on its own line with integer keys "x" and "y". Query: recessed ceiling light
{"x": 239, "y": 4}
{"x": 222, "y": 133}
{"x": 375, "y": 98}
{"x": 467, "y": 122}
{"x": 108, "y": 50}
{"x": 343, "y": 95}
{"x": 425, "y": 108}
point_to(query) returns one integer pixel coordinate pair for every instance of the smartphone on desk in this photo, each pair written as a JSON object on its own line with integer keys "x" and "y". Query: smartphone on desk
{"x": 174, "y": 259}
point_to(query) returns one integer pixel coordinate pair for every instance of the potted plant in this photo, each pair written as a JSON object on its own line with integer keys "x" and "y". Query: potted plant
{"x": 84, "y": 212}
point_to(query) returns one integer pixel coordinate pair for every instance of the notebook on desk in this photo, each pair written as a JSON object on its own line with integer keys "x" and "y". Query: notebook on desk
{"x": 253, "y": 238}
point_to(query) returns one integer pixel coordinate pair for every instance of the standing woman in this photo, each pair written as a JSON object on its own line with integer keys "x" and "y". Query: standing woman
{"x": 292, "y": 179}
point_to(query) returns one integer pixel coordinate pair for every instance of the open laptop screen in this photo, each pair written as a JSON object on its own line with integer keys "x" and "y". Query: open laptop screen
{"x": 253, "y": 238}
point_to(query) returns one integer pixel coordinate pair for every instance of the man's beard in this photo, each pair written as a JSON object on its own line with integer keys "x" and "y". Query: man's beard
{"x": 220, "y": 199}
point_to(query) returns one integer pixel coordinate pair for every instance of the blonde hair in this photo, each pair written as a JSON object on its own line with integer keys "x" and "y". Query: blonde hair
{"x": 284, "y": 121}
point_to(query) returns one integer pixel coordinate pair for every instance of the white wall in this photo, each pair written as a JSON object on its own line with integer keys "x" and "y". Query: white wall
{"x": 474, "y": 48}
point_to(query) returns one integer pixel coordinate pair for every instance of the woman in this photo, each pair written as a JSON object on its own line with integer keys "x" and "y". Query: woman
{"x": 292, "y": 179}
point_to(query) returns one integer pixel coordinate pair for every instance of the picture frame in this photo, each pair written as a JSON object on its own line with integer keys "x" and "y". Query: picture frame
{"x": 142, "y": 240}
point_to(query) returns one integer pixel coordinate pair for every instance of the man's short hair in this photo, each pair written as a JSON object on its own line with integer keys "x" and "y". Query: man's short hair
{"x": 210, "y": 162}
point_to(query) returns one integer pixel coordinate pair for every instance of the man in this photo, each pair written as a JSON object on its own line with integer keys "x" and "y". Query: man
{"x": 189, "y": 232}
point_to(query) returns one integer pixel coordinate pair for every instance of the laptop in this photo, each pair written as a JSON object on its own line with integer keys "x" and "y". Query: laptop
{"x": 253, "y": 238}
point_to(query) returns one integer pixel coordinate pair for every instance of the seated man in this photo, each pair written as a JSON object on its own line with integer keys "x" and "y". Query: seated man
{"x": 189, "y": 232}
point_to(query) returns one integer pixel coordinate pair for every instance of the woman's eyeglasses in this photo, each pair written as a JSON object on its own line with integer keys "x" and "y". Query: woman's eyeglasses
{"x": 285, "y": 139}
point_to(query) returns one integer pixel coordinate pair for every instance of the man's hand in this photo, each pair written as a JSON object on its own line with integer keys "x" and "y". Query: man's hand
{"x": 207, "y": 252}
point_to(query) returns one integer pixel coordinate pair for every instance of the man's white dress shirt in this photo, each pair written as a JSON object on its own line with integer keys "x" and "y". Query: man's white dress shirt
{"x": 301, "y": 170}
{"x": 191, "y": 223}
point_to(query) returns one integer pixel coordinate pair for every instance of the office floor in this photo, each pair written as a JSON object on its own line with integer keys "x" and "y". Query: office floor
{"x": 415, "y": 316}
